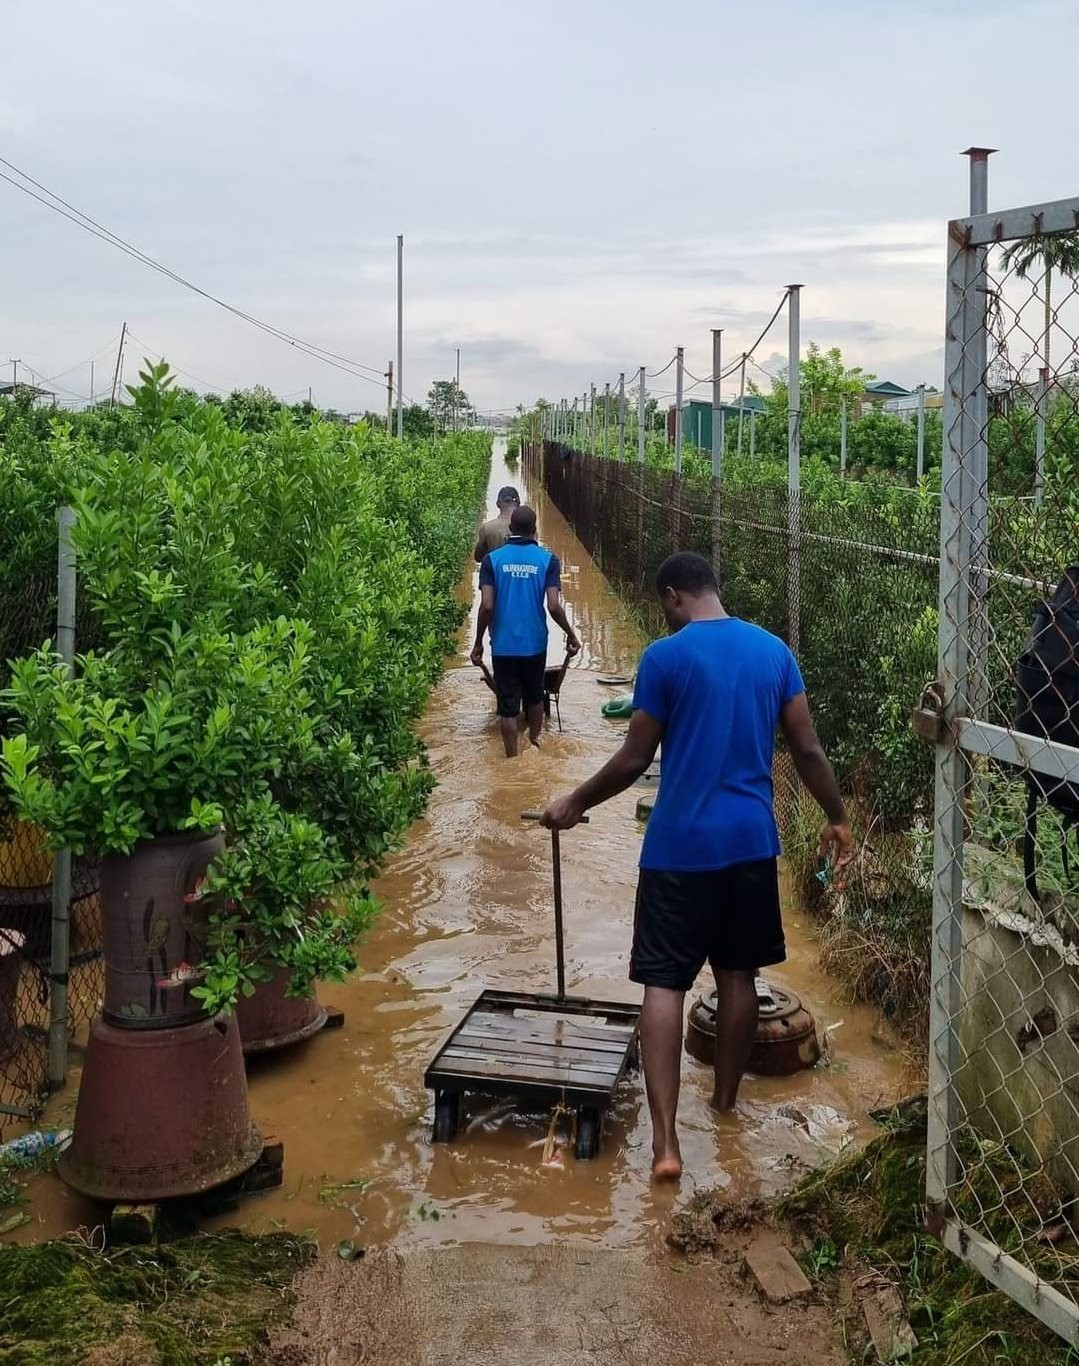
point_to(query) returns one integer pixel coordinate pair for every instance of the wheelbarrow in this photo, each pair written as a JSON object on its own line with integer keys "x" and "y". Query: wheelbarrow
{"x": 540, "y": 1049}
{"x": 553, "y": 678}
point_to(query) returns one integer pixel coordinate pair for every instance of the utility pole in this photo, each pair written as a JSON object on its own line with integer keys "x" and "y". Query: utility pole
{"x": 91, "y": 384}
{"x": 592, "y": 418}
{"x": 843, "y": 438}
{"x": 457, "y": 389}
{"x": 389, "y": 398}
{"x": 14, "y": 374}
{"x": 794, "y": 467}
{"x": 640, "y": 415}
{"x": 606, "y": 420}
{"x": 921, "y": 432}
{"x": 400, "y": 333}
{"x": 679, "y": 366}
{"x": 717, "y": 444}
{"x": 310, "y": 401}
{"x": 119, "y": 359}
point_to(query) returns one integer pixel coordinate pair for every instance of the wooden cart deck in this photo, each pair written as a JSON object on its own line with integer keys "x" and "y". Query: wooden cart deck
{"x": 519, "y": 1044}
{"x": 539, "y": 1049}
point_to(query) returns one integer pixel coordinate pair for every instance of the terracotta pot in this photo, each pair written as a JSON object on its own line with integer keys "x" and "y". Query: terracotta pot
{"x": 270, "y": 1019}
{"x": 786, "y": 1039}
{"x": 11, "y": 946}
{"x": 161, "y": 1113}
{"x": 154, "y": 927}
{"x": 25, "y": 860}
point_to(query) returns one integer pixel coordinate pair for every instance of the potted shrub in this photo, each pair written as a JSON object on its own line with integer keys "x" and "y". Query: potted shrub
{"x": 134, "y": 757}
{"x": 288, "y": 913}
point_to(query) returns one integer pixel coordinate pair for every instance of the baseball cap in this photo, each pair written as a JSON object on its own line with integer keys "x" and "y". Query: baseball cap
{"x": 508, "y": 495}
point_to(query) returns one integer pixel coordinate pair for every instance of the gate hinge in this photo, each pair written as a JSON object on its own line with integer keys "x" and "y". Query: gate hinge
{"x": 927, "y": 719}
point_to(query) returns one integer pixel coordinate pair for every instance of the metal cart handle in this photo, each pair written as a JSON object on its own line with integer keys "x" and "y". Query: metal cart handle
{"x": 556, "y": 865}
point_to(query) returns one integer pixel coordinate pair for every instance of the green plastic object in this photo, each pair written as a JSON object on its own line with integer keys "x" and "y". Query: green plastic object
{"x": 619, "y": 708}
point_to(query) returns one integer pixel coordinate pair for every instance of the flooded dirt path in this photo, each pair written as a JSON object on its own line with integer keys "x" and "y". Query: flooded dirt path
{"x": 468, "y": 905}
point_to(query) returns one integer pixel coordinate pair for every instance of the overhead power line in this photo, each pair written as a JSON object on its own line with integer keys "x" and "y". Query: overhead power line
{"x": 83, "y": 220}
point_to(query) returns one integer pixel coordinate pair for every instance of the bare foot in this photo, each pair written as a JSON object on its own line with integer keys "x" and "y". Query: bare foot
{"x": 667, "y": 1167}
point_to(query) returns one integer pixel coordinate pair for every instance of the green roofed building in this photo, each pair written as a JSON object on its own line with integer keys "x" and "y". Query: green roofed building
{"x": 697, "y": 418}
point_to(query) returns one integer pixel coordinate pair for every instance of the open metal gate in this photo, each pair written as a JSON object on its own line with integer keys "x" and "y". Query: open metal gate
{"x": 1003, "y": 1143}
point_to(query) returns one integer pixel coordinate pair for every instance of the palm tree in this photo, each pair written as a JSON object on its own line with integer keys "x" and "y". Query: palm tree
{"x": 1055, "y": 251}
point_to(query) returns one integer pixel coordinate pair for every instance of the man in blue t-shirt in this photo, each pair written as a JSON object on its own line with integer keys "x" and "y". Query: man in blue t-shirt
{"x": 517, "y": 582}
{"x": 713, "y": 692}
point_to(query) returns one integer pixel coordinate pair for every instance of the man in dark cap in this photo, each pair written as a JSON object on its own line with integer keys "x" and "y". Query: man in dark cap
{"x": 495, "y": 533}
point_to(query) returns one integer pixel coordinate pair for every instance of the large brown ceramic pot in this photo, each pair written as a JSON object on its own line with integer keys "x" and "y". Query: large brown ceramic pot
{"x": 270, "y": 1019}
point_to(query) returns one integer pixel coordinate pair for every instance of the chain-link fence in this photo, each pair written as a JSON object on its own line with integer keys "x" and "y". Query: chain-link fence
{"x": 974, "y": 856}
{"x": 34, "y": 996}
{"x": 1004, "y": 1040}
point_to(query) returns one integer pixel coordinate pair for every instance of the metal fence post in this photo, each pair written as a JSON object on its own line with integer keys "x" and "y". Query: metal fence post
{"x": 976, "y": 454}
{"x": 717, "y": 403}
{"x": 843, "y": 437}
{"x": 60, "y": 946}
{"x": 1039, "y": 436}
{"x": 592, "y": 418}
{"x": 752, "y": 433}
{"x": 794, "y": 468}
{"x": 622, "y": 415}
{"x": 606, "y": 420}
{"x": 920, "y": 467}
{"x": 679, "y": 366}
{"x": 641, "y": 408}
{"x": 741, "y": 401}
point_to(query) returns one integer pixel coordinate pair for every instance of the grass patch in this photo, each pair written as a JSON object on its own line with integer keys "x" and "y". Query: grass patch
{"x": 194, "y": 1302}
{"x": 870, "y": 1207}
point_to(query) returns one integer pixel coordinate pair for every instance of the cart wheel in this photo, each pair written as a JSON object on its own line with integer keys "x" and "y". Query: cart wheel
{"x": 447, "y": 1116}
{"x": 588, "y": 1126}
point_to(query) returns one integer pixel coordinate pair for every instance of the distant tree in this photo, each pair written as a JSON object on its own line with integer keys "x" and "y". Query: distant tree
{"x": 441, "y": 404}
{"x": 416, "y": 421}
{"x": 1055, "y": 251}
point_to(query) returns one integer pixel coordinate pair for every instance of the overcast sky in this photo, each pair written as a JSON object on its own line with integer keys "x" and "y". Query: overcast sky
{"x": 581, "y": 186}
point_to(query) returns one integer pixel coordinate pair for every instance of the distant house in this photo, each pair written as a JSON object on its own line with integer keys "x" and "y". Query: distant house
{"x": 907, "y": 406}
{"x": 9, "y": 390}
{"x": 697, "y": 418}
{"x": 880, "y": 392}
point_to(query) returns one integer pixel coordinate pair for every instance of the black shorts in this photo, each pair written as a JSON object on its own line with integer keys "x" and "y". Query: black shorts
{"x": 518, "y": 678}
{"x": 729, "y": 918}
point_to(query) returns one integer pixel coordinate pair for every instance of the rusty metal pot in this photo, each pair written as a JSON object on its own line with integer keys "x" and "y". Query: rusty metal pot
{"x": 786, "y": 1035}
{"x": 269, "y": 1019}
{"x": 161, "y": 1113}
{"x": 154, "y": 926}
{"x": 11, "y": 958}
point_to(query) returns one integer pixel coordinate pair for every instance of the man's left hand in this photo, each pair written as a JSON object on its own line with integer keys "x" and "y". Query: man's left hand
{"x": 477, "y": 653}
{"x": 563, "y": 813}
{"x": 573, "y": 646}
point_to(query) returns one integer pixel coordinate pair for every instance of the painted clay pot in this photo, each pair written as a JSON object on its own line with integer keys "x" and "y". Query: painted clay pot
{"x": 154, "y": 918}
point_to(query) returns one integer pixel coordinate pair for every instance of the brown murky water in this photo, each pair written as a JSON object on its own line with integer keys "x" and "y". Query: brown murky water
{"x": 468, "y": 905}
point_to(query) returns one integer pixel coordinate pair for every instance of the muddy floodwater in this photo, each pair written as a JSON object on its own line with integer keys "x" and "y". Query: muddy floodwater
{"x": 467, "y": 906}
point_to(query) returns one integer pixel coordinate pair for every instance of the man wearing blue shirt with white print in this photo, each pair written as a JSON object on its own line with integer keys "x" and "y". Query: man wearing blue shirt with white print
{"x": 517, "y": 582}
{"x": 714, "y": 692}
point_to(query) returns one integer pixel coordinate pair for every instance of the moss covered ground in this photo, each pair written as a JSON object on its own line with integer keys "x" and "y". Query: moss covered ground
{"x": 867, "y": 1212}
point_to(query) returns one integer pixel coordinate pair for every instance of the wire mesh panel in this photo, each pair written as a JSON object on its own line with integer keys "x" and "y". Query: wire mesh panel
{"x": 1003, "y": 1172}
{"x": 27, "y": 620}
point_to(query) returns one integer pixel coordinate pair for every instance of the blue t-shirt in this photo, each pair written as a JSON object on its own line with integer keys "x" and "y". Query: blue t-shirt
{"x": 717, "y": 688}
{"x": 520, "y": 572}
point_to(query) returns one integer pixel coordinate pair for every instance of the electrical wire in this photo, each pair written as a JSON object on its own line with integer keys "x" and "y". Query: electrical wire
{"x": 90, "y": 225}
{"x": 655, "y": 374}
{"x": 79, "y": 364}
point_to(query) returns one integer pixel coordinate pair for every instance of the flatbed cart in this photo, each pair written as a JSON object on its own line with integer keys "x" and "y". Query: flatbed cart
{"x": 538, "y": 1048}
